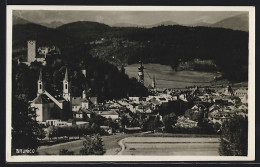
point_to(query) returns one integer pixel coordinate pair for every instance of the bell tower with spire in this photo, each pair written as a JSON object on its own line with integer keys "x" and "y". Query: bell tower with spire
{"x": 66, "y": 86}
{"x": 141, "y": 73}
{"x": 41, "y": 85}
{"x": 153, "y": 82}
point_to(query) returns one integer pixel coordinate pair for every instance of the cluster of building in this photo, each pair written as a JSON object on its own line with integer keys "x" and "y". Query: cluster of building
{"x": 64, "y": 109}
{"x": 39, "y": 54}
{"x": 215, "y": 105}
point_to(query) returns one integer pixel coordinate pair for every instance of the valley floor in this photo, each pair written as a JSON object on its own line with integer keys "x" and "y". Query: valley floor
{"x": 146, "y": 144}
{"x": 178, "y": 146}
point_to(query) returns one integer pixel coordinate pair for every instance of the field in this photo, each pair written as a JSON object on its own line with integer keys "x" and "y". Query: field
{"x": 203, "y": 144}
{"x": 110, "y": 144}
{"x": 170, "y": 146}
{"x": 165, "y": 77}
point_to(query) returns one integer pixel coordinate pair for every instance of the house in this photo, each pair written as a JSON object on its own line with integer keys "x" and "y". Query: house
{"x": 135, "y": 99}
{"x": 56, "y": 122}
{"x": 184, "y": 122}
{"x": 219, "y": 116}
{"x": 132, "y": 129}
{"x": 241, "y": 112}
{"x": 93, "y": 100}
{"x": 115, "y": 106}
{"x": 242, "y": 107}
{"x": 244, "y": 99}
{"x": 79, "y": 102}
{"x": 82, "y": 114}
{"x": 228, "y": 91}
{"x": 78, "y": 115}
{"x": 214, "y": 107}
{"x": 86, "y": 113}
{"x": 241, "y": 92}
{"x": 108, "y": 114}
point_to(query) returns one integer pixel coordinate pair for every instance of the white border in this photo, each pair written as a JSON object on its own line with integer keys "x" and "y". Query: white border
{"x": 251, "y": 86}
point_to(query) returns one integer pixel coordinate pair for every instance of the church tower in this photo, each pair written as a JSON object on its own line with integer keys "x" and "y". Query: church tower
{"x": 141, "y": 73}
{"x": 153, "y": 82}
{"x": 41, "y": 85}
{"x": 66, "y": 87}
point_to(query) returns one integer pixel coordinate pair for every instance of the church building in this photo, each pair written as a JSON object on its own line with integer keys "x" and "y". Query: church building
{"x": 51, "y": 108}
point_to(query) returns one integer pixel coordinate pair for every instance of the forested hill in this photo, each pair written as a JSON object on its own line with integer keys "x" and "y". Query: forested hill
{"x": 163, "y": 44}
{"x": 43, "y": 35}
{"x": 85, "y": 30}
{"x": 171, "y": 44}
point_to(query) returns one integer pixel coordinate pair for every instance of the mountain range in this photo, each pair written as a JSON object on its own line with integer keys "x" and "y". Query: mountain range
{"x": 53, "y": 24}
{"x": 238, "y": 22}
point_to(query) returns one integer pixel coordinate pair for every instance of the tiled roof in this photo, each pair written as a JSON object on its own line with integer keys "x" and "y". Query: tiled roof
{"x": 110, "y": 112}
{"x": 77, "y": 101}
{"x": 85, "y": 111}
{"x": 42, "y": 99}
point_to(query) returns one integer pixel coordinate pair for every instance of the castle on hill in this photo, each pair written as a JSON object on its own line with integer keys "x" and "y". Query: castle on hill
{"x": 39, "y": 54}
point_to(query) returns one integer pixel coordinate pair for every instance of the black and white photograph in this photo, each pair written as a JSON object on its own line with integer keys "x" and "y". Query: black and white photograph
{"x": 130, "y": 83}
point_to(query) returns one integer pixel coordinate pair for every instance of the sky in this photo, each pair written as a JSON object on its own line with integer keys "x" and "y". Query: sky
{"x": 131, "y": 17}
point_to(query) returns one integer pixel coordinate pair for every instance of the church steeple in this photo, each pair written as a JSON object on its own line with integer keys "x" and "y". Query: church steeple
{"x": 66, "y": 86}
{"x": 153, "y": 82}
{"x": 40, "y": 76}
{"x": 66, "y": 78}
{"x": 41, "y": 85}
{"x": 141, "y": 73}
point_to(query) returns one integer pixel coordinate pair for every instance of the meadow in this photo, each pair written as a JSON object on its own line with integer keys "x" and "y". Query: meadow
{"x": 179, "y": 146}
{"x": 166, "y": 77}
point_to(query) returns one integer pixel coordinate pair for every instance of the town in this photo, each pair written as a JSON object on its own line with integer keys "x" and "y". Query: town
{"x": 163, "y": 110}
{"x": 125, "y": 83}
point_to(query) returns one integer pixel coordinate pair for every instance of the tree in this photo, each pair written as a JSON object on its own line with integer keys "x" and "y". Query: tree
{"x": 92, "y": 146}
{"x": 124, "y": 122}
{"x": 234, "y": 138}
{"x": 26, "y": 131}
{"x": 168, "y": 121}
{"x": 41, "y": 133}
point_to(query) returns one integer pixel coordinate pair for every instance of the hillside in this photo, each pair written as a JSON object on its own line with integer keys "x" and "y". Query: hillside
{"x": 43, "y": 35}
{"x": 200, "y": 24}
{"x": 53, "y": 24}
{"x": 125, "y": 25}
{"x": 85, "y": 30}
{"x": 168, "y": 45}
{"x": 19, "y": 20}
{"x": 239, "y": 22}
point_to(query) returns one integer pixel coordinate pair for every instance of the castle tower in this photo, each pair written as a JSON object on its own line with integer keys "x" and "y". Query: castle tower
{"x": 66, "y": 86}
{"x": 31, "y": 50}
{"x": 41, "y": 85}
{"x": 141, "y": 73}
{"x": 153, "y": 82}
